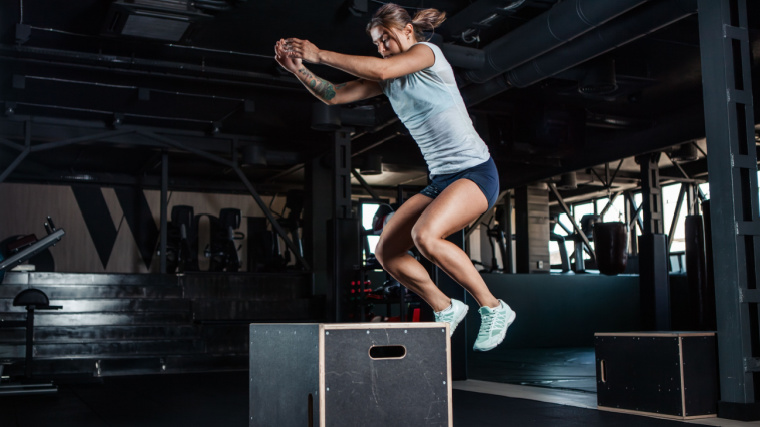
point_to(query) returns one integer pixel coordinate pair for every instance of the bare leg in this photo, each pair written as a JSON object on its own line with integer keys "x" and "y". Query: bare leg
{"x": 395, "y": 242}
{"x": 456, "y": 207}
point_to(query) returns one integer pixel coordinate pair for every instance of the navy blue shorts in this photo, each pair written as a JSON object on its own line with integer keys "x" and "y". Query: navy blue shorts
{"x": 484, "y": 174}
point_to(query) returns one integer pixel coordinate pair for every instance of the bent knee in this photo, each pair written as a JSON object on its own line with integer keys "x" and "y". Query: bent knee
{"x": 425, "y": 241}
{"x": 386, "y": 255}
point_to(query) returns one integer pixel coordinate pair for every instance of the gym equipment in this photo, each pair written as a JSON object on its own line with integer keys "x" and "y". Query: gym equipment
{"x": 663, "y": 374}
{"x": 29, "y": 246}
{"x": 382, "y": 215}
{"x": 32, "y": 299}
{"x": 182, "y": 240}
{"x": 263, "y": 248}
{"x": 367, "y": 374}
{"x": 564, "y": 257}
{"x": 497, "y": 238}
{"x": 294, "y": 204}
{"x": 611, "y": 247}
{"x": 221, "y": 250}
{"x": 587, "y": 227}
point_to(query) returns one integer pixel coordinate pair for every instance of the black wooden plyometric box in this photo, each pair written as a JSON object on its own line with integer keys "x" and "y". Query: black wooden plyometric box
{"x": 665, "y": 374}
{"x": 357, "y": 374}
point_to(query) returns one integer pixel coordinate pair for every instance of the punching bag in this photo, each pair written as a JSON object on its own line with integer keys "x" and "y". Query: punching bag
{"x": 611, "y": 247}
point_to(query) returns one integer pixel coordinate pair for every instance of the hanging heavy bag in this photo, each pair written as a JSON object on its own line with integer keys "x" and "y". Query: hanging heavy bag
{"x": 611, "y": 247}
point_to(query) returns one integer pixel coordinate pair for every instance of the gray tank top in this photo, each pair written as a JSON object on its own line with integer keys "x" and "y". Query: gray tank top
{"x": 429, "y": 104}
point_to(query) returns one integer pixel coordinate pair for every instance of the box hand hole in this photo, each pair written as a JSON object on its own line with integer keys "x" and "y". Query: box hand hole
{"x": 387, "y": 352}
{"x": 603, "y": 370}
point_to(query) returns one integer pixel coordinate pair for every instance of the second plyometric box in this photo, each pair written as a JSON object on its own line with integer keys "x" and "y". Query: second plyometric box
{"x": 664, "y": 374}
{"x": 368, "y": 374}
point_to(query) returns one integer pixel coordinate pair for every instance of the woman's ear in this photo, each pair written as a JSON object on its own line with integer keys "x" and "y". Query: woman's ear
{"x": 409, "y": 31}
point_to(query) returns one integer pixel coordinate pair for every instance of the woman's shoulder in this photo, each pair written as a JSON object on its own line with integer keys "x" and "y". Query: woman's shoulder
{"x": 432, "y": 46}
{"x": 437, "y": 52}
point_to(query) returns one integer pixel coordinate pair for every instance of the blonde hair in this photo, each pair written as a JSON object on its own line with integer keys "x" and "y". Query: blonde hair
{"x": 392, "y": 16}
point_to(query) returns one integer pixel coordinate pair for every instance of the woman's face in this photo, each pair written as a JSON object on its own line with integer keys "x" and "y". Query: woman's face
{"x": 387, "y": 41}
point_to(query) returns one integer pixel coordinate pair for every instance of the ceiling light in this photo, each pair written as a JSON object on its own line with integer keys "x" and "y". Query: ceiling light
{"x": 685, "y": 153}
{"x": 373, "y": 165}
{"x": 169, "y": 20}
{"x": 568, "y": 181}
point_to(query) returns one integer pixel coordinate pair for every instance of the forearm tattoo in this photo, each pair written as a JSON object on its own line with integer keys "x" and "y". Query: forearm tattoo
{"x": 319, "y": 86}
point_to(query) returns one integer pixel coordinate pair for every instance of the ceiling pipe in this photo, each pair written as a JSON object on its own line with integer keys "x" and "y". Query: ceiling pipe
{"x": 461, "y": 56}
{"x": 560, "y": 24}
{"x": 628, "y": 28}
{"x": 624, "y": 30}
{"x": 463, "y": 20}
{"x": 144, "y": 66}
{"x": 466, "y": 24}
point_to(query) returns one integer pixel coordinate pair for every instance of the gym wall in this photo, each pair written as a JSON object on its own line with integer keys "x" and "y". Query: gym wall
{"x": 564, "y": 310}
{"x": 111, "y": 230}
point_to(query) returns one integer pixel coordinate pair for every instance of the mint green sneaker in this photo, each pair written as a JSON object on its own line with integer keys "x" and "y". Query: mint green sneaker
{"x": 453, "y": 315}
{"x": 493, "y": 326}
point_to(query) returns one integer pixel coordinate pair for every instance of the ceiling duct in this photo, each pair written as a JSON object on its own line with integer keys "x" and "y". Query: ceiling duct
{"x": 495, "y": 13}
{"x": 168, "y": 20}
{"x": 560, "y": 24}
{"x": 626, "y": 29}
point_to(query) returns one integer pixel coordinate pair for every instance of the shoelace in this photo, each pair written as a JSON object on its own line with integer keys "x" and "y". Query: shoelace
{"x": 489, "y": 321}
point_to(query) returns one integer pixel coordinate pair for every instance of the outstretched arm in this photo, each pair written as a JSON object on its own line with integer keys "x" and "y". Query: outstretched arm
{"x": 325, "y": 90}
{"x": 342, "y": 93}
{"x": 417, "y": 58}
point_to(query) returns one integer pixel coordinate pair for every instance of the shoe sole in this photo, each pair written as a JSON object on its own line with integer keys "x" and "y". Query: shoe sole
{"x": 503, "y": 334}
{"x": 459, "y": 320}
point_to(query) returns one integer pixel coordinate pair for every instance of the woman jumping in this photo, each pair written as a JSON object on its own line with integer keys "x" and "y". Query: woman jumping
{"x": 420, "y": 85}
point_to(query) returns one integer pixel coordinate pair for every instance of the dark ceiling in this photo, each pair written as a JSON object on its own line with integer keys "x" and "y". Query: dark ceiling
{"x": 110, "y": 84}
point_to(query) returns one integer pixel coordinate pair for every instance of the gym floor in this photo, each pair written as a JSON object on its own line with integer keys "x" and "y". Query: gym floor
{"x": 221, "y": 399}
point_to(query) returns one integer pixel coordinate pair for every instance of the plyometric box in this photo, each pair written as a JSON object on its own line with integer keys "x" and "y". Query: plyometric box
{"x": 664, "y": 374}
{"x": 357, "y": 374}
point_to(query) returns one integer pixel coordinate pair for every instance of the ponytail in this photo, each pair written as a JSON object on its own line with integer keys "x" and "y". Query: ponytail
{"x": 392, "y": 16}
{"x": 427, "y": 20}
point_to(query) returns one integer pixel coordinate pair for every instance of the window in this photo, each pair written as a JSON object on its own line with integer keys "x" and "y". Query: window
{"x": 579, "y": 211}
{"x": 669, "y": 199}
{"x": 367, "y": 212}
{"x": 615, "y": 213}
